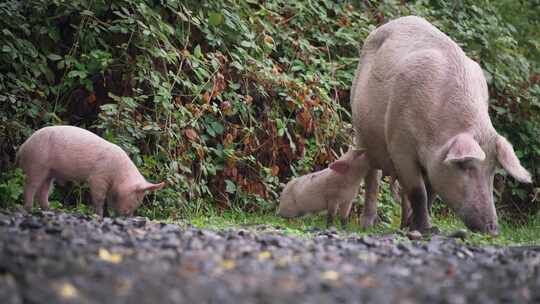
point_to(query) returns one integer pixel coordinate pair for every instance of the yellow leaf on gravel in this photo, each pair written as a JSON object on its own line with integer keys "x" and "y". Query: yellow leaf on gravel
{"x": 68, "y": 291}
{"x": 282, "y": 262}
{"x": 228, "y": 264}
{"x": 105, "y": 255}
{"x": 265, "y": 255}
{"x": 330, "y": 275}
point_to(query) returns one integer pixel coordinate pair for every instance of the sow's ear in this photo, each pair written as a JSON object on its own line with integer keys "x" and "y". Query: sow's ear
{"x": 509, "y": 161}
{"x": 150, "y": 187}
{"x": 340, "y": 166}
{"x": 463, "y": 148}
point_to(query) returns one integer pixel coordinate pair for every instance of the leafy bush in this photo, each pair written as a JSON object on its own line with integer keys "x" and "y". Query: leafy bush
{"x": 225, "y": 100}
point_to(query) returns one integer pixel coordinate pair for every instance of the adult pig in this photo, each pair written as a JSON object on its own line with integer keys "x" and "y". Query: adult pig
{"x": 67, "y": 153}
{"x": 330, "y": 189}
{"x": 420, "y": 109}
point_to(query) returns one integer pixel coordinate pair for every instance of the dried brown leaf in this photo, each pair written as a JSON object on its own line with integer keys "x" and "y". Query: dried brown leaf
{"x": 191, "y": 134}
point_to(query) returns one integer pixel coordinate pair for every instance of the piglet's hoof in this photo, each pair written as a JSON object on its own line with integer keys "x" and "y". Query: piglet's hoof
{"x": 459, "y": 234}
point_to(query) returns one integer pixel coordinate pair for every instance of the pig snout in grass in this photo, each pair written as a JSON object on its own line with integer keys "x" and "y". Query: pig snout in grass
{"x": 67, "y": 153}
{"x": 420, "y": 109}
{"x": 332, "y": 189}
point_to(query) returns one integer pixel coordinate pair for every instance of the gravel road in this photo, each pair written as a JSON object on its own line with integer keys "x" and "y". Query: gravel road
{"x": 53, "y": 257}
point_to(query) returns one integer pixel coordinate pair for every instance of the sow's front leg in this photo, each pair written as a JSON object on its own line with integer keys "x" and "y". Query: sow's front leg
{"x": 418, "y": 198}
{"x": 406, "y": 212}
{"x": 410, "y": 176}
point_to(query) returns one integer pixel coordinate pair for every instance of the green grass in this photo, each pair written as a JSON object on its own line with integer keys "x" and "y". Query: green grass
{"x": 297, "y": 226}
{"x": 510, "y": 234}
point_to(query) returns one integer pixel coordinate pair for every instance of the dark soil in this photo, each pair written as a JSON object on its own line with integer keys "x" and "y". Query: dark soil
{"x": 50, "y": 257}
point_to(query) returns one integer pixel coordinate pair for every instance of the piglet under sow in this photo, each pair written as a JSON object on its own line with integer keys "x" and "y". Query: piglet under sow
{"x": 66, "y": 153}
{"x": 330, "y": 189}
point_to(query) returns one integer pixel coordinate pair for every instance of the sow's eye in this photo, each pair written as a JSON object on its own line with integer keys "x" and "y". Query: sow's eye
{"x": 465, "y": 165}
{"x": 461, "y": 165}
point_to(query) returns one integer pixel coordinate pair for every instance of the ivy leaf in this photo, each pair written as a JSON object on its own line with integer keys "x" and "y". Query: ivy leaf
{"x": 87, "y": 13}
{"x": 215, "y": 19}
{"x": 54, "y": 57}
{"x": 218, "y": 127}
{"x": 246, "y": 44}
{"x": 197, "y": 52}
{"x": 75, "y": 74}
{"x": 230, "y": 187}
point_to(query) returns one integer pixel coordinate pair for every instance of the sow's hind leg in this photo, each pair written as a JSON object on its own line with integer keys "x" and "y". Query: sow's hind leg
{"x": 369, "y": 212}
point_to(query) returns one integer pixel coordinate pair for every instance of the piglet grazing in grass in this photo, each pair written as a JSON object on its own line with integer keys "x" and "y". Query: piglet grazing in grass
{"x": 66, "y": 153}
{"x": 332, "y": 188}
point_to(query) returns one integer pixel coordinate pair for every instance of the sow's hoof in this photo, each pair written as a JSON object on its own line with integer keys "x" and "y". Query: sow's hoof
{"x": 368, "y": 221}
{"x": 414, "y": 235}
{"x": 432, "y": 230}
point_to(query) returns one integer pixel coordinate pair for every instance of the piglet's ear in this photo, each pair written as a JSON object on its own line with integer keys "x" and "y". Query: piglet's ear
{"x": 339, "y": 166}
{"x": 150, "y": 187}
{"x": 509, "y": 161}
{"x": 463, "y": 147}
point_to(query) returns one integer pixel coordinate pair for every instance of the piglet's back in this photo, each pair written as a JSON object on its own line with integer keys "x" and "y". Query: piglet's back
{"x": 71, "y": 153}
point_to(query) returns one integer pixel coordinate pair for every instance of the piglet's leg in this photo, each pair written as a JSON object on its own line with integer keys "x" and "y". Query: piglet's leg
{"x": 29, "y": 192}
{"x": 344, "y": 211}
{"x": 332, "y": 210}
{"x": 98, "y": 191}
{"x": 33, "y": 182}
{"x": 43, "y": 193}
{"x": 98, "y": 202}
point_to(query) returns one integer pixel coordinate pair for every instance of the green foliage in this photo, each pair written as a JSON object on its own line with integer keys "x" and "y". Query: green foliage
{"x": 11, "y": 187}
{"x": 226, "y": 100}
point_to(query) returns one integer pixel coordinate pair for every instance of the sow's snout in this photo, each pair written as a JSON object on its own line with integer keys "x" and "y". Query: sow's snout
{"x": 477, "y": 224}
